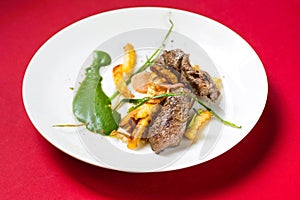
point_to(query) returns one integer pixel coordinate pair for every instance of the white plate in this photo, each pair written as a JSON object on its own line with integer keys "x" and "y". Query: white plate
{"x": 55, "y": 67}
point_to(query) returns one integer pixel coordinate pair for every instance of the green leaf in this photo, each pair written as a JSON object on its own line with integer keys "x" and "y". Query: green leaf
{"x": 90, "y": 104}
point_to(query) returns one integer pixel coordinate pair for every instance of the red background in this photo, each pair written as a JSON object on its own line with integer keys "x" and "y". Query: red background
{"x": 265, "y": 165}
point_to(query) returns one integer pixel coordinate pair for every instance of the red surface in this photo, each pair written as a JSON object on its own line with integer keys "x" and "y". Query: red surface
{"x": 265, "y": 165}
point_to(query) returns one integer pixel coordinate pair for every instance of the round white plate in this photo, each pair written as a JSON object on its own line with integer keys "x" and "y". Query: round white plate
{"x": 56, "y": 67}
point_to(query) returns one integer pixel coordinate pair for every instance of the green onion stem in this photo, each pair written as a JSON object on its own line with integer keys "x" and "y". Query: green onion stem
{"x": 69, "y": 125}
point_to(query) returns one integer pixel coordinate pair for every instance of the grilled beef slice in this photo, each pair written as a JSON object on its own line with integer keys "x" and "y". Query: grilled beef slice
{"x": 199, "y": 80}
{"x": 163, "y": 72}
{"x": 169, "y": 126}
{"x": 173, "y": 58}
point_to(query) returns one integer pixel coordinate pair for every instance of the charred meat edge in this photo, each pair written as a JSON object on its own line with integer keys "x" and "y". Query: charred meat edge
{"x": 199, "y": 81}
{"x": 169, "y": 126}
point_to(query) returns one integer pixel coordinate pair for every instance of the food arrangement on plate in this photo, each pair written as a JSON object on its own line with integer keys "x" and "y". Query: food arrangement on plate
{"x": 63, "y": 59}
{"x": 172, "y": 106}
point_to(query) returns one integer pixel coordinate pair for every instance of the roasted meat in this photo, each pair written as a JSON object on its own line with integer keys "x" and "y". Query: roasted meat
{"x": 199, "y": 81}
{"x": 173, "y": 58}
{"x": 169, "y": 126}
{"x": 163, "y": 72}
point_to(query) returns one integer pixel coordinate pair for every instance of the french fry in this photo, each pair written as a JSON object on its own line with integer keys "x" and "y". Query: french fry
{"x": 138, "y": 132}
{"x": 129, "y": 59}
{"x": 125, "y": 69}
{"x": 120, "y": 81}
{"x": 194, "y": 130}
{"x": 218, "y": 82}
{"x": 143, "y": 115}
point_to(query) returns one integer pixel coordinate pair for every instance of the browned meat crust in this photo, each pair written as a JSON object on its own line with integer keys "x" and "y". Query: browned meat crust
{"x": 199, "y": 81}
{"x": 169, "y": 126}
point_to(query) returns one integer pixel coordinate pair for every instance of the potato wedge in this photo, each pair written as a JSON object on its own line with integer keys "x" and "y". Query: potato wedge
{"x": 120, "y": 81}
{"x": 194, "y": 129}
{"x": 129, "y": 59}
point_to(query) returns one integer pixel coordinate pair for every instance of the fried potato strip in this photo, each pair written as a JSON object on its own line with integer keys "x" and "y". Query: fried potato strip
{"x": 121, "y": 71}
{"x": 129, "y": 59}
{"x": 120, "y": 82}
{"x": 194, "y": 130}
{"x": 136, "y": 123}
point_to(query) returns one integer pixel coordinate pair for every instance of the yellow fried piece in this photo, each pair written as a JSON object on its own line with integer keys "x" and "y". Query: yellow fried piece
{"x": 143, "y": 115}
{"x": 218, "y": 82}
{"x": 154, "y": 90}
{"x": 138, "y": 132}
{"x": 129, "y": 59}
{"x": 120, "y": 82}
{"x": 119, "y": 135}
{"x": 143, "y": 111}
{"x": 125, "y": 68}
{"x": 199, "y": 122}
{"x": 196, "y": 67}
{"x": 140, "y": 112}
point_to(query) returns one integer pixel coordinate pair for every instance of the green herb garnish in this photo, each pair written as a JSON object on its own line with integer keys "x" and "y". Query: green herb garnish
{"x": 91, "y": 106}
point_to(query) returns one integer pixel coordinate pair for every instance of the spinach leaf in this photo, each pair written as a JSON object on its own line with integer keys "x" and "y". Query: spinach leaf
{"x": 91, "y": 105}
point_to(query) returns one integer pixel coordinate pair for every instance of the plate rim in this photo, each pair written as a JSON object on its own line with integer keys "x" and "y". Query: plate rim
{"x": 164, "y": 9}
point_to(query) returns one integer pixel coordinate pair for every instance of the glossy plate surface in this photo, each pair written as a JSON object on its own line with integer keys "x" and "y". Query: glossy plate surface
{"x": 59, "y": 63}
